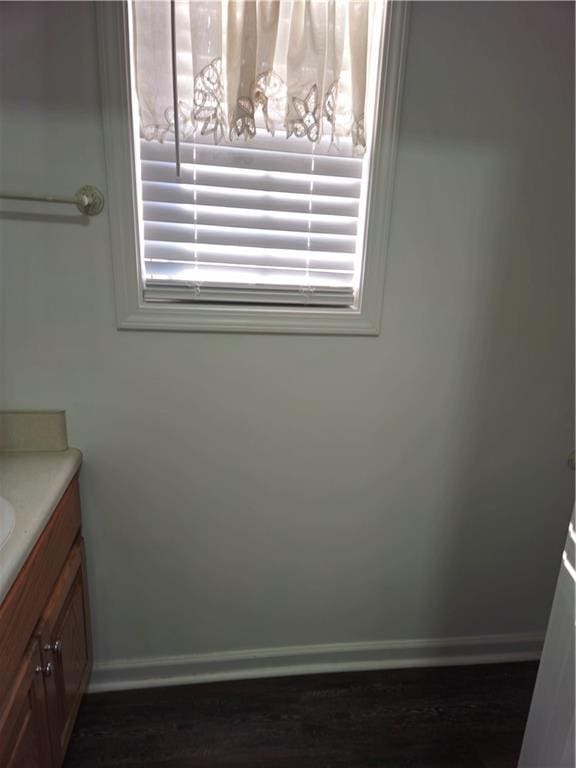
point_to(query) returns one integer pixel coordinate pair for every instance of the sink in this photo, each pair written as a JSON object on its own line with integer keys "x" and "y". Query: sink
{"x": 7, "y": 520}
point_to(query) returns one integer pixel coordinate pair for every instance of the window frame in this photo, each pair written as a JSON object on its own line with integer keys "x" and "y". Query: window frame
{"x": 133, "y": 312}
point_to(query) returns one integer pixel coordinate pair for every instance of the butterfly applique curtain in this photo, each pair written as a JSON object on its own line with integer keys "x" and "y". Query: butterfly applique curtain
{"x": 233, "y": 68}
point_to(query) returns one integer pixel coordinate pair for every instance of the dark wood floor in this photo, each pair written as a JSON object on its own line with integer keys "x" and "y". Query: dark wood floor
{"x": 459, "y": 717}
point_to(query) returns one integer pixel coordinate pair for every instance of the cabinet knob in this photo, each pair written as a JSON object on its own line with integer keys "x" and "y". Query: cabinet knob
{"x": 55, "y": 647}
{"x": 46, "y": 671}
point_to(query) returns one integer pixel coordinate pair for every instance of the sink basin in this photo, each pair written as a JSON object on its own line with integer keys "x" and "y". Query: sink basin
{"x": 7, "y": 520}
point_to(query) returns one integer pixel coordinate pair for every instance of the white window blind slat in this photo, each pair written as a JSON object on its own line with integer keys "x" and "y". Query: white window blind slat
{"x": 243, "y": 156}
{"x": 299, "y": 259}
{"x": 253, "y": 274}
{"x": 311, "y": 183}
{"x": 174, "y": 192}
{"x": 260, "y": 238}
{"x": 242, "y": 217}
{"x": 237, "y": 292}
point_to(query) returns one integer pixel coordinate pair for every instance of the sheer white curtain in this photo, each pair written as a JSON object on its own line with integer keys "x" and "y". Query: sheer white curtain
{"x": 244, "y": 66}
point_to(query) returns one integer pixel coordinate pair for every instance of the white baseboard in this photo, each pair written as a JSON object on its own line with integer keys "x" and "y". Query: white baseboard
{"x": 310, "y": 659}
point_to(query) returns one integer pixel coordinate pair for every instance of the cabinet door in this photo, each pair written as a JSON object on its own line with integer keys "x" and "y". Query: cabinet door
{"x": 66, "y": 645}
{"x": 24, "y": 735}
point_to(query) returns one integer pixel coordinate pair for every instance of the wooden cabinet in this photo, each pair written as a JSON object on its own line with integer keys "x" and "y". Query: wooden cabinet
{"x": 66, "y": 646}
{"x": 44, "y": 688}
{"x": 24, "y": 734}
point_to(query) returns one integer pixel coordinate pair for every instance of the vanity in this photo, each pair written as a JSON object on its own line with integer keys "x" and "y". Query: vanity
{"x": 45, "y": 645}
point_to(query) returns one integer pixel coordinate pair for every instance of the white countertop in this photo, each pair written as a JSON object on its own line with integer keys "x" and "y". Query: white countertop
{"x": 33, "y": 482}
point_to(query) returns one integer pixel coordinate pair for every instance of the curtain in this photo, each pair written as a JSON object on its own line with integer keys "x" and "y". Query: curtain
{"x": 245, "y": 66}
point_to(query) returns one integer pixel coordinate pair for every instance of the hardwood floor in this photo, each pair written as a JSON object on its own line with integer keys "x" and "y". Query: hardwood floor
{"x": 458, "y": 717}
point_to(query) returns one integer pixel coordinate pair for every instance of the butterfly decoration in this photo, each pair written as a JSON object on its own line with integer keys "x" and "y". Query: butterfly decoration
{"x": 308, "y": 111}
{"x": 208, "y": 98}
{"x": 270, "y": 94}
{"x": 244, "y": 124}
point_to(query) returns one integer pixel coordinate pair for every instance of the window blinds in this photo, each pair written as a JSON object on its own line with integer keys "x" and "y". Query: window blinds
{"x": 271, "y": 221}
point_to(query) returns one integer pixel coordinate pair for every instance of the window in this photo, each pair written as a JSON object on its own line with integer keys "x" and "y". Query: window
{"x": 264, "y": 205}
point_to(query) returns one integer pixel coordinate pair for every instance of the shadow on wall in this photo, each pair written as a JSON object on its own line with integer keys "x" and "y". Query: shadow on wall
{"x": 509, "y": 198}
{"x": 45, "y": 218}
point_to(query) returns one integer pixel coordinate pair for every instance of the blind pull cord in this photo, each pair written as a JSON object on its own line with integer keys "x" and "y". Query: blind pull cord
{"x": 175, "y": 85}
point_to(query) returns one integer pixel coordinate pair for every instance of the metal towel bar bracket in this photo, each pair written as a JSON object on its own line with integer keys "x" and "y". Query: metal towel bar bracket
{"x": 88, "y": 199}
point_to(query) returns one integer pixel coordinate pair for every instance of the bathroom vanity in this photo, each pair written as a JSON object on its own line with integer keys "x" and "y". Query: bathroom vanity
{"x": 45, "y": 647}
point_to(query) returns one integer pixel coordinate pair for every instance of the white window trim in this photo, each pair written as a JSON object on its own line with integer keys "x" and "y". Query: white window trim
{"x": 133, "y": 312}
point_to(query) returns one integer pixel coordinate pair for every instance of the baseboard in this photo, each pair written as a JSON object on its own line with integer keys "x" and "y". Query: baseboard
{"x": 312, "y": 659}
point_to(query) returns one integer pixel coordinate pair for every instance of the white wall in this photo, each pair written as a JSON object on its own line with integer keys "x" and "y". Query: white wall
{"x": 250, "y": 491}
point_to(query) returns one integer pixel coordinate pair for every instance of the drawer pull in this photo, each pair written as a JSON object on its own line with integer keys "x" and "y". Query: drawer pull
{"x": 55, "y": 647}
{"x": 46, "y": 671}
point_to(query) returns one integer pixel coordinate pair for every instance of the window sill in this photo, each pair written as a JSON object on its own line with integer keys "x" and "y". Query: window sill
{"x": 234, "y": 319}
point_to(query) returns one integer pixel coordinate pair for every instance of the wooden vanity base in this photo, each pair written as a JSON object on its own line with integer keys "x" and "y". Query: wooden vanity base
{"x": 45, "y": 644}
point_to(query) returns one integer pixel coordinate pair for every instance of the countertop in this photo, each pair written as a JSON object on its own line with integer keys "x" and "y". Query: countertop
{"x": 33, "y": 482}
